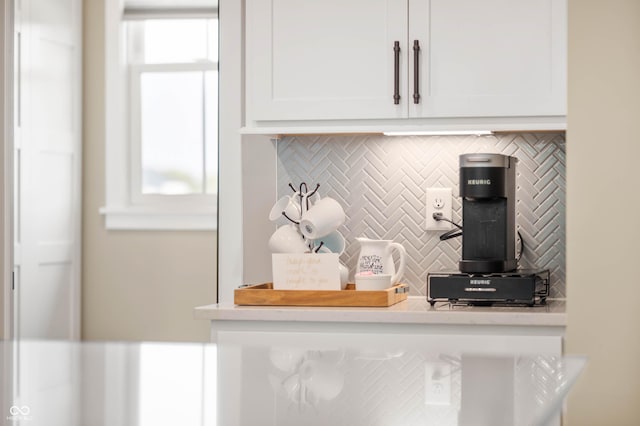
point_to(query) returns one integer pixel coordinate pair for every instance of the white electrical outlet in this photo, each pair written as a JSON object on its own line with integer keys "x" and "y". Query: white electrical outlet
{"x": 438, "y": 201}
{"x": 437, "y": 383}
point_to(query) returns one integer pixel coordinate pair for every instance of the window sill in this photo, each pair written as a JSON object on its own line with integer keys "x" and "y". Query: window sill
{"x": 145, "y": 219}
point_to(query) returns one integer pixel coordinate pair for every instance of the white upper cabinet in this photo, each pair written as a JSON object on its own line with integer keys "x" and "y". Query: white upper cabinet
{"x": 487, "y": 58}
{"x": 334, "y": 61}
{"x": 330, "y": 59}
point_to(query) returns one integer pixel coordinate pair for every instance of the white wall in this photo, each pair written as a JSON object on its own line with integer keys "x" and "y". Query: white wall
{"x": 136, "y": 285}
{"x": 259, "y": 189}
{"x": 230, "y": 155}
{"x": 603, "y": 159}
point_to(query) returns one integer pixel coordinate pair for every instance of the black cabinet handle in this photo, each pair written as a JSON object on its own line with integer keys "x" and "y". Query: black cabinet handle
{"x": 416, "y": 70}
{"x": 396, "y": 72}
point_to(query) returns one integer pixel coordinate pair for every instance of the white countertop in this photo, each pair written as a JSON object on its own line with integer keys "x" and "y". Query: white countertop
{"x": 283, "y": 379}
{"x": 414, "y": 310}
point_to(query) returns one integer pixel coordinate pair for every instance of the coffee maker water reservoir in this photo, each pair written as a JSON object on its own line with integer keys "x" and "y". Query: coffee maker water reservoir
{"x": 488, "y": 192}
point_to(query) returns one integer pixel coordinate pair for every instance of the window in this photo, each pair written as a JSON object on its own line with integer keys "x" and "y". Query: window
{"x": 162, "y": 119}
{"x": 173, "y": 106}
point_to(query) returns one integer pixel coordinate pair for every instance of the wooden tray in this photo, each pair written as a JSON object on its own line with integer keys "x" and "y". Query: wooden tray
{"x": 265, "y": 295}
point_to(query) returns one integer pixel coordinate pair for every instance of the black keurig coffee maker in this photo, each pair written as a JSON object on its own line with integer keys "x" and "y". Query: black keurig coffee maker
{"x": 489, "y": 271}
{"x": 488, "y": 192}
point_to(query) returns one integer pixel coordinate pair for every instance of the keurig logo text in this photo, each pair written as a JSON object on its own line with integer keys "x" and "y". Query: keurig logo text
{"x": 480, "y": 282}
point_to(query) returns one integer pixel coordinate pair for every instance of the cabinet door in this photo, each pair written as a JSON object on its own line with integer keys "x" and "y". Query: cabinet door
{"x": 331, "y": 59}
{"x": 489, "y": 58}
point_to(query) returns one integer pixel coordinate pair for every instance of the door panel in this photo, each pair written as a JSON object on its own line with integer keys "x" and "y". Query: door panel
{"x": 55, "y": 195}
{"x": 490, "y": 58}
{"x": 49, "y": 299}
{"x": 325, "y": 60}
{"x": 47, "y": 163}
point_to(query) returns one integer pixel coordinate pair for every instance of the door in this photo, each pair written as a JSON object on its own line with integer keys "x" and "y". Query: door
{"x": 489, "y": 58}
{"x": 47, "y": 169}
{"x": 333, "y": 59}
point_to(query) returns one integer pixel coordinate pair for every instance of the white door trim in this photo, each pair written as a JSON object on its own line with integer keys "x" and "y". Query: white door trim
{"x": 6, "y": 161}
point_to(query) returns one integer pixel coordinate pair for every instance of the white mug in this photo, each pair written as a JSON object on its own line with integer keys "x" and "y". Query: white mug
{"x": 323, "y": 218}
{"x": 331, "y": 243}
{"x": 305, "y": 200}
{"x": 321, "y": 378}
{"x": 287, "y": 205}
{"x": 286, "y": 358}
{"x": 287, "y": 239}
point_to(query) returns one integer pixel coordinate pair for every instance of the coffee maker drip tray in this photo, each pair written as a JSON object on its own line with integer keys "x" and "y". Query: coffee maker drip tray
{"x": 520, "y": 287}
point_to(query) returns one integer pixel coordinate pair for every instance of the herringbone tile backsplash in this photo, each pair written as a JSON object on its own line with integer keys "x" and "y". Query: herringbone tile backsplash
{"x": 381, "y": 183}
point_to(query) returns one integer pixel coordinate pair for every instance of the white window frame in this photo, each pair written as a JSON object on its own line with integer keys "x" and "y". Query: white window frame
{"x": 123, "y": 210}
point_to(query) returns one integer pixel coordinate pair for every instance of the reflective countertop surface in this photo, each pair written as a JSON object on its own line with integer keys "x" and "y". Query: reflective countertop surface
{"x": 282, "y": 378}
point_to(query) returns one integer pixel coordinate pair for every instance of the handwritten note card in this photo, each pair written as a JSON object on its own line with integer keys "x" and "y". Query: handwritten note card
{"x": 305, "y": 271}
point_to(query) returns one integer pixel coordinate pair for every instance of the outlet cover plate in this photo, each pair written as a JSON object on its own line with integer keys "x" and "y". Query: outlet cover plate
{"x": 438, "y": 200}
{"x": 437, "y": 377}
